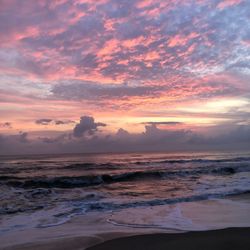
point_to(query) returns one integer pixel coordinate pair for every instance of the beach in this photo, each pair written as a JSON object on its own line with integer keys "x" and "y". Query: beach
{"x": 96, "y": 232}
{"x": 223, "y": 239}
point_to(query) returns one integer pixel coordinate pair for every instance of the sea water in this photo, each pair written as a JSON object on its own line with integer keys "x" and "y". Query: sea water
{"x": 151, "y": 190}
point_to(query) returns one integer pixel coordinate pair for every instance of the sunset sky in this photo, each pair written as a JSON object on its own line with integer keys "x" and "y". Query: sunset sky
{"x": 124, "y": 75}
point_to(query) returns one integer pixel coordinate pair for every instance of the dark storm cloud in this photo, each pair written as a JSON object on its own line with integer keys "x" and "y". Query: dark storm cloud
{"x": 87, "y": 125}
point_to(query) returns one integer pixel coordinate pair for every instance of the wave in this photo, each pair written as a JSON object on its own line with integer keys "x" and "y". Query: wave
{"x": 94, "y": 206}
{"x": 114, "y": 166}
{"x": 112, "y": 207}
{"x": 109, "y": 206}
{"x": 91, "y": 166}
{"x": 93, "y": 180}
{"x": 20, "y": 167}
{"x": 196, "y": 160}
{"x": 20, "y": 209}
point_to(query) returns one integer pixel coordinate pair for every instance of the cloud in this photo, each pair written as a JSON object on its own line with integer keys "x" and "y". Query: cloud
{"x": 86, "y": 126}
{"x": 46, "y": 121}
{"x": 122, "y": 132}
{"x": 130, "y": 30}
{"x": 14, "y": 144}
{"x": 6, "y": 125}
{"x": 93, "y": 91}
{"x": 234, "y": 138}
{"x": 23, "y": 137}
{"x": 182, "y": 33}
{"x": 163, "y": 123}
{"x": 57, "y": 139}
{"x": 84, "y": 139}
{"x": 228, "y": 3}
{"x": 62, "y": 122}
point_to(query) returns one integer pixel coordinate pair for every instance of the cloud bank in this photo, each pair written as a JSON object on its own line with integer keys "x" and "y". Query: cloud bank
{"x": 85, "y": 138}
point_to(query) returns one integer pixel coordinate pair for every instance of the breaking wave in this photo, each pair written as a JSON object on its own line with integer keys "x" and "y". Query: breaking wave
{"x": 93, "y": 180}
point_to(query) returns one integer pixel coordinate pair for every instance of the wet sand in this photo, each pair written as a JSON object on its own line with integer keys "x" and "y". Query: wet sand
{"x": 224, "y": 239}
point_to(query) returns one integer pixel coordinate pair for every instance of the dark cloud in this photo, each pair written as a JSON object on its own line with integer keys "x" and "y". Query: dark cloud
{"x": 14, "y": 144}
{"x": 122, "y": 132}
{"x": 118, "y": 9}
{"x": 44, "y": 121}
{"x": 88, "y": 61}
{"x": 6, "y": 125}
{"x": 130, "y": 30}
{"x": 23, "y": 137}
{"x": 164, "y": 138}
{"x": 152, "y": 139}
{"x": 94, "y": 91}
{"x": 62, "y": 122}
{"x": 234, "y": 138}
{"x": 163, "y": 123}
{"x": 54, "y": 140}
{"x": 47, "y": 121}
{"x": 87, "y": 125}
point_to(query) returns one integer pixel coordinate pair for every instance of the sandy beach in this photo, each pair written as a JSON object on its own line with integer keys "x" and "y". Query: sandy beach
{"x": 223, "y": 239}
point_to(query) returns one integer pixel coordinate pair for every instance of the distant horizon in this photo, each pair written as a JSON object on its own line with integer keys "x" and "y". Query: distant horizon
{"x": 167, "y": 153}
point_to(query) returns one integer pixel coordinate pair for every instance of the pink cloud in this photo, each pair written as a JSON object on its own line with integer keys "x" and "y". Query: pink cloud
{"x": 228, "y": 3}
{"x": 180, "y": 40}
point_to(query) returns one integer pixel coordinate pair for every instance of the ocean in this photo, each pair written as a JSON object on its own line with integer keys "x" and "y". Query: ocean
{"x": 128, "y": 189}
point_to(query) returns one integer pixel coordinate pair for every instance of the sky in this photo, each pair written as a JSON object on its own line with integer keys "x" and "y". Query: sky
{"x": 124, "y": 75}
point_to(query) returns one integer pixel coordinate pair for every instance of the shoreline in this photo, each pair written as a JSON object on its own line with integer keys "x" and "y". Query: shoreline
{"x": 84, "y": 231}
